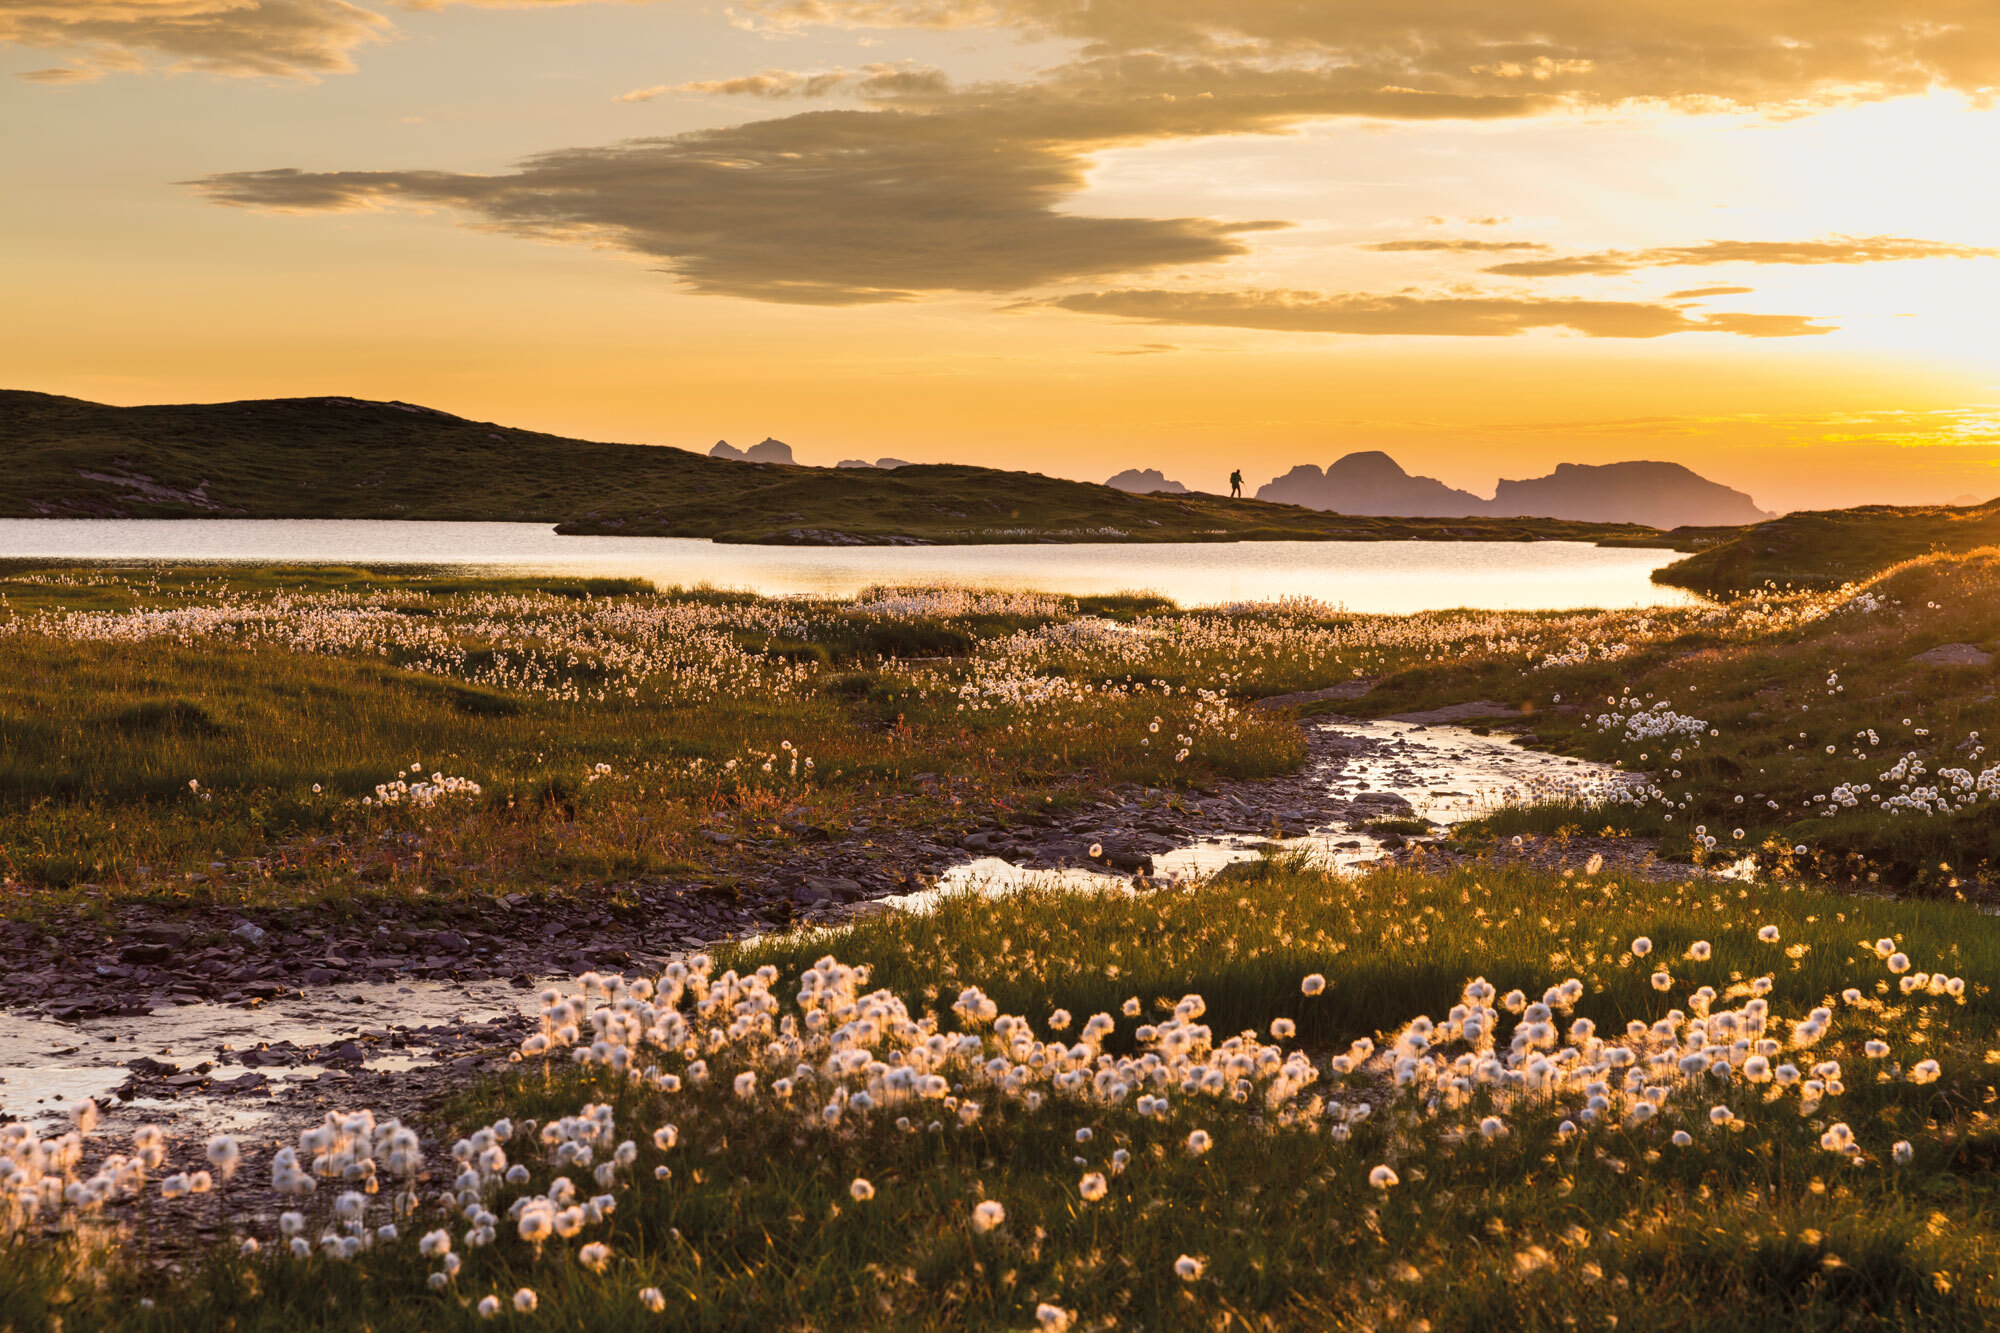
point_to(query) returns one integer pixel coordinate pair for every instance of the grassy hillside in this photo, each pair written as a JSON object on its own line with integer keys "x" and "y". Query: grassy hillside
{"x": 343, "y": 458}
{"x": 1826, "y": 548}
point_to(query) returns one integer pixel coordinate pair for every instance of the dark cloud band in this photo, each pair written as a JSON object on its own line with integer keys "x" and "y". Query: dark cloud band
{"x": 832, "y": 207}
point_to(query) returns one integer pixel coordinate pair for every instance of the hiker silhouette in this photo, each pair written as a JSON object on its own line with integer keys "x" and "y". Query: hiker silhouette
{"x": 1236, "y": 484}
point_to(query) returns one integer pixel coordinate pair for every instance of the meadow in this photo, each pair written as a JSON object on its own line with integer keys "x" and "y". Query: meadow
{"x": 1825, "y": 733}
{"x": 1281, "y": 1100}
{"x": 1824, "y": 548}
{"x": 1431, "y": 1096}
{"x": 328, "y": 737}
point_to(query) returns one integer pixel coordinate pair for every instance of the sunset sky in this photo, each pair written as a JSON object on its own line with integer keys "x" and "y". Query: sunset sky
{"x": 1759, "y": 237}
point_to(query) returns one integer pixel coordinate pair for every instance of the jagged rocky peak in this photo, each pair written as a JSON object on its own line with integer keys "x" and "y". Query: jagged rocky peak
{"x": 1659, "y": 495}
{"x": 1370, "y": 482}
{"x": 1145, "y": 482}
{"x": 765, "y": 451}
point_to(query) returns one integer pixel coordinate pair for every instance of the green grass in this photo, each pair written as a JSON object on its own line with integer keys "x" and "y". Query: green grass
{"x": 1826, "y": 548}
{"x": 772, "y": 723}
{"x": 122, "y": 685}
{"x": 1021, "y": 702}
{"x": 340, "y": 458}
{"x": 1404, "y": 828}
{"x": 1752, "y": 1228}
{"x": 1781, "y": 682}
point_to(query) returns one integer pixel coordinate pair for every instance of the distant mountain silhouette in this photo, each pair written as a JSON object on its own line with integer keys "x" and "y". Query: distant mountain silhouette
{"x": 1145, "y": 483}
{"x": 766, "y": 451}
{"x": 1370, "y": 483}
{"x": 344, "y": 458}
{"x": 1660, "y": 495}
{"x": 886, "y": 464}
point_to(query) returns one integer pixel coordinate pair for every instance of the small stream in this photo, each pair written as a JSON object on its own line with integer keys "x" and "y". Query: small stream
{"x": 241, "y": 1060}
{"x": 1444, "y": 774}
{"x": 240, "y": 1066}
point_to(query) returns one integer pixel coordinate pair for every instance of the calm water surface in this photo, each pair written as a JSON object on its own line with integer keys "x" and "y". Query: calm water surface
{"x": 1363, "y": 576}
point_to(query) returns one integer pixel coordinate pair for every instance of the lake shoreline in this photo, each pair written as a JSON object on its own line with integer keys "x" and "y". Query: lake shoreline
{"x": 1368, "y": 575}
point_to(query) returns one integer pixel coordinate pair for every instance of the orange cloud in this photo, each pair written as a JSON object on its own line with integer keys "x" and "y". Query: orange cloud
{"x": 1830, "y": 250}
{"x": 1690, "y": 51}
{"x": 294, "y": 39}
{"x": 1400, "y": 314}
{"x": 1452, "y": 246}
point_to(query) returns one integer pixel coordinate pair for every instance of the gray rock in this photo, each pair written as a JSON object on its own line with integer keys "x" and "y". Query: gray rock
{"x": 1450, "y": 713}
{"x": 248, "y": 934}
{"x": 1123, "y": 856}
{"x": 1955, "y": 654}
{"x": 827, "y": 888}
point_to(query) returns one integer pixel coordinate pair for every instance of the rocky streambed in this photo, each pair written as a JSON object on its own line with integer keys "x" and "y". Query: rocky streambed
{"x": 228, "y": 1024}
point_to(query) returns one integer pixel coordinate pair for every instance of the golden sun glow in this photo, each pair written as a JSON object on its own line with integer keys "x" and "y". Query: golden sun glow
{"x": 1021, "y": 233}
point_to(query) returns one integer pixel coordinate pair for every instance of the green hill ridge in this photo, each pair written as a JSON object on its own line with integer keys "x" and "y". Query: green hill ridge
{"x": 350, "y": 458}
{"x": 1824, "y": 548}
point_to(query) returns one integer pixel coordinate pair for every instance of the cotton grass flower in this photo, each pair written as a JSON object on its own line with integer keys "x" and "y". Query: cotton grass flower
{"x": 595, "y": 1256}
{"x": 525, "y": 1300}
{"x": 489, "y": 1307}
{"x": 861, "y": 1189}
{"x": 1188, "y": 1268}
{"x": 1199, "y": 1142}
{"x": 1313, "y": 984}
{"x": 1052, "y": 1318}
{"x": 653, "y": 1299}
{"x": 224, "y": 1154}
{"x": 1093, "y": 1187}
{"x": 987, "y": 1215}
{"x": 1383, "y": 1178}
{"x": 1903, "y": 1153}
{"x": 1768, "y": 934}
{"x": 1641, "y": 947}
